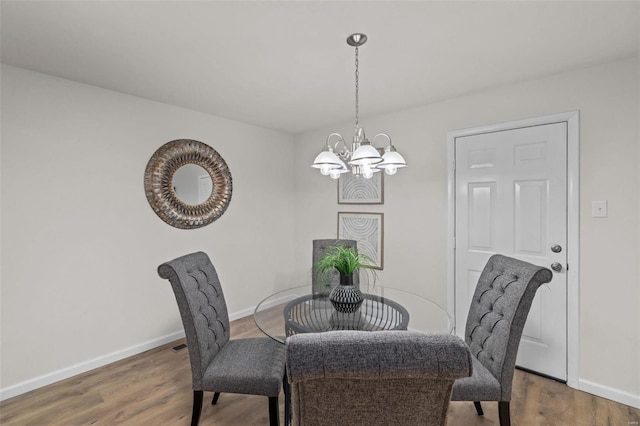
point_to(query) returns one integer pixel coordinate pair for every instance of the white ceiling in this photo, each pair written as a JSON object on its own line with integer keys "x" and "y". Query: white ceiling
{"x": 286, "y": 65}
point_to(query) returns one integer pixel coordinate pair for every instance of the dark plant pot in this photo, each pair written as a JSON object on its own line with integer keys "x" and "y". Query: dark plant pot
{"x": 346, "y": 297}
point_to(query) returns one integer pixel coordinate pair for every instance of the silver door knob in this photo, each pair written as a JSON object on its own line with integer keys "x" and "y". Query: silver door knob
{"x": 556, "y": 266}
{"x": 556, "y": 248}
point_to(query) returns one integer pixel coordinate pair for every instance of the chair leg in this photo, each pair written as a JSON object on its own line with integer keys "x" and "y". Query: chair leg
{"x": 478, "y": 408}
{"x": 274, "y": 409}
{"x": 197, "y": 407}
{"x": 287, "y": 400}
{"x": 214, "y": 401}
{"x": 503, "y": 413}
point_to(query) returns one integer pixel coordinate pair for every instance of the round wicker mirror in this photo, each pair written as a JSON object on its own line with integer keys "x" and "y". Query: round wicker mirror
{"x": 161, "y": 193}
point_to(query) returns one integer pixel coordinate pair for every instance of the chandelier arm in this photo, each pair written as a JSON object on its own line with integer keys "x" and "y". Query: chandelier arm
{"x": 382, "y": 134}
{"x": 344, "y": 152}
{"x": 344, "y": 146}
{"x": 334, "y": 134}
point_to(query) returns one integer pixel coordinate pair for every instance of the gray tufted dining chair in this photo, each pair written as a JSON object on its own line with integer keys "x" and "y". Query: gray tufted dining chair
{"x": 497, "y": 315}
{"x": 320, "y": 247}
{"x": 248, "y": 366}
{"x": 373, "y": 378}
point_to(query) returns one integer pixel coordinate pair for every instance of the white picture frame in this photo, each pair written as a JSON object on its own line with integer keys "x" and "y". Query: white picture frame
{"x": 368, "y": 230}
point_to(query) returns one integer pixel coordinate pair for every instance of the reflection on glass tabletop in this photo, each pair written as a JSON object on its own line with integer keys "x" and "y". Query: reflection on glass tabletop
{"x": 298, "y": 310}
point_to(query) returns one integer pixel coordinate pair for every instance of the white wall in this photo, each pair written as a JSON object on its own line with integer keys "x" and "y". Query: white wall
{"x": 415, "y": 208}
{"x": 80, "y": 244}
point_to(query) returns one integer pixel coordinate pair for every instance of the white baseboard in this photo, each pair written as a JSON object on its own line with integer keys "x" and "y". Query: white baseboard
{"x": 73, "y": 370}
{"x": 271, "y": 304}
{"x": 241, "y": 314}
{"x": 616, "y": 395}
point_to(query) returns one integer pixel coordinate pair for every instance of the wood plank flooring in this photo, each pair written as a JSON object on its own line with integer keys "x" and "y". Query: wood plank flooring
{"x": 154, "y": 388}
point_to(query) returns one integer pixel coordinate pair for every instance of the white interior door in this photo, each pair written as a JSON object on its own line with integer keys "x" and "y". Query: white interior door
{"x": 511, "y": 198}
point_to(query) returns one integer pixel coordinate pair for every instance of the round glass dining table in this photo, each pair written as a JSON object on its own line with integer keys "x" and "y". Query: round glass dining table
{"x": 299, "y": 310}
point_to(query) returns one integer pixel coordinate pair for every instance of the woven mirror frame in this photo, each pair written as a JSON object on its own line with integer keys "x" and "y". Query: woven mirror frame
{"x": 159, "y": 189}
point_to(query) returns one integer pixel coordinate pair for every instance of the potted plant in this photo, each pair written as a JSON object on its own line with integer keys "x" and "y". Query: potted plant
{"x": 345, "y": 297}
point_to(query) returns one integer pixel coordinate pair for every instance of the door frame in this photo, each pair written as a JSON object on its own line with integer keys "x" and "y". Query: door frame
{"x": 572, "y": 118}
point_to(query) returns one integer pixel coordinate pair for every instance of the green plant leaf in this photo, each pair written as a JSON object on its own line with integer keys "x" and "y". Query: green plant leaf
{"x": 346, "y": 260}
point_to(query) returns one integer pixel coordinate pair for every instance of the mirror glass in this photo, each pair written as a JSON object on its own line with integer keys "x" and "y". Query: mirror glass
{"x": 192, "y": 184}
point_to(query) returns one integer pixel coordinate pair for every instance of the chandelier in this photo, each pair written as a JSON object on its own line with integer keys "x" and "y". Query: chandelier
{"x": 363, "y": 158}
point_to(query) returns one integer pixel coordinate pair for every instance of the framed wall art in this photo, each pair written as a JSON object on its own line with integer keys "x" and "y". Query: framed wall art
{"x": 368, "y": 230}
{"x": 358, "y": 190}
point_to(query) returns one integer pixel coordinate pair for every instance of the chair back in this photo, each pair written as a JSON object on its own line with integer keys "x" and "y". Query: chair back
{"x": 324, "y": 285}
{"x": 498, "y": 312}
{"x": 373, "y": 378}
{"x": 202, "y": 307}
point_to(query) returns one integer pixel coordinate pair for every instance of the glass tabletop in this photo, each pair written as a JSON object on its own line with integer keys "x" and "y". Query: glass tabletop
{"x": 298, "y": 310}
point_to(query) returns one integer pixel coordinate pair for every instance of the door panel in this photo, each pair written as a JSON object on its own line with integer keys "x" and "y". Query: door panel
{"x": 511, "y": 198}
{"x": 482, "y": 205}
{"x": 530, "y": 225}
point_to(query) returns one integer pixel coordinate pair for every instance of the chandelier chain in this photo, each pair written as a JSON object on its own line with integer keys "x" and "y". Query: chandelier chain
{"x": 357, "y": 74}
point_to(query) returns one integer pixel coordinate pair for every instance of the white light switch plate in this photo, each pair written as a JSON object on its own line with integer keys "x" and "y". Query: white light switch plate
{"x": 598, "y": 209}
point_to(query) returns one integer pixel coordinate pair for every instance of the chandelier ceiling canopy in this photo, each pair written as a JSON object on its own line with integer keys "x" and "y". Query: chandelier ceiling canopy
{"x": 363, "y": 158}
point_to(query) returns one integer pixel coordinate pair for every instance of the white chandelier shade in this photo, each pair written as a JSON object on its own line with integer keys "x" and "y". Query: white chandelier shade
{"x": 329, "y": 164}
{"x": 392, "y": 161}
{"x": 365, "y": 155}
{"x": 364, "y": 159}
{"x": 327, "y": 160}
